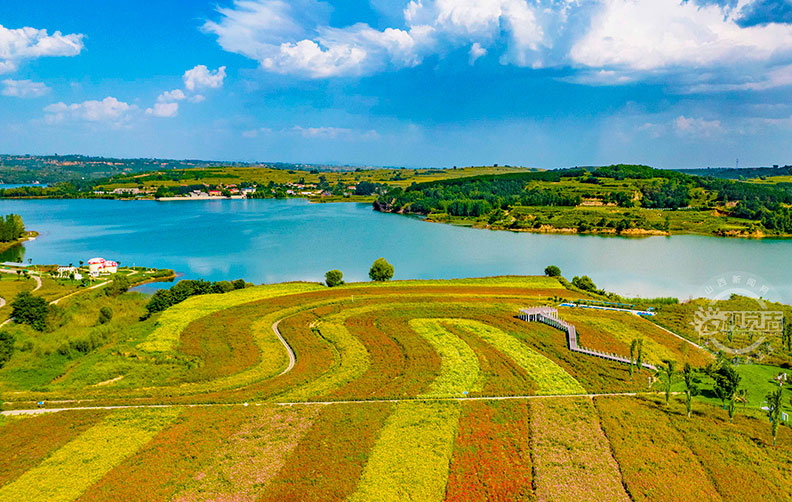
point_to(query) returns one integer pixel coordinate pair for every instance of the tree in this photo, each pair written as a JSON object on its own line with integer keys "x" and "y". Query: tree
{"x": 633, "y": 348}
{"x": 667, "y": 373}
{"x": 727, "y": 383}
{"x": 381, "y": 270}
{"x": 334, "y": 278}
{"x": 105, "y": 315}
{"x": 773, "y": 410}
{"x": 119, "y": 284}
{"x": 585, "y": 283}
{"x": 740, "y": 396}
{"x": 639, "y": 359}
{"x": 787, "y": 336}
{"x": 691, "y": 389}
{"x": 552, "y": 271}
{"x": 6, "y": 347}
{"x": 30, "y": 309}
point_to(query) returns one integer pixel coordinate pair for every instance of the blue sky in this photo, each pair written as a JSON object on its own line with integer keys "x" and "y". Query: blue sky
{"x": 546, "y": 83}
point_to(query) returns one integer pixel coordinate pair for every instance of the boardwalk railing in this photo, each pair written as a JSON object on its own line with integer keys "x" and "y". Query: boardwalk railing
{"x": 549, "y": 316}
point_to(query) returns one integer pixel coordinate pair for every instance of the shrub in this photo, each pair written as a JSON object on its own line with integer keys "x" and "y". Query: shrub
{"x": 381, "y": 270}
{"x": 6, "y": 347}
{"x": 552, "y": 271}
{"x": 585, "y": 283}
{"x": 334, "y": 278}
{"x": 119, "y": 285}
{"x": 30, "y": 309}
{"x": 105, "y": 315}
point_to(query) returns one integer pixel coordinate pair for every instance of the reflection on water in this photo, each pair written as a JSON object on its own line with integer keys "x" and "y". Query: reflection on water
{"x": 265, "y": 241}
{"x": 15, "y": 254}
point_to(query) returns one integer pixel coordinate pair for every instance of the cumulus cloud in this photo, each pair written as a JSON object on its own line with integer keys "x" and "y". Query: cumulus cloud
{"x": 476, "y": 51}
{"x": 697, "y": 127}
{"x": 24, "y": 88}
{"x": 163, "y": 109}
{"x": 174, "y": 95}
{"x": 29, "y": 43}
{"x": 201, "y": 77}
{"x": 109, "y": 109}
{"x": 688, "y": 43}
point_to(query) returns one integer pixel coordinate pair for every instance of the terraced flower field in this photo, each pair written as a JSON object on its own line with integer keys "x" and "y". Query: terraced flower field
{"x": 424, "y": 390}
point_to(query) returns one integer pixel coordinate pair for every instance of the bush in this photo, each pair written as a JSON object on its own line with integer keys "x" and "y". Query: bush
{"x": 105, "y": 315}
{"x": 30, "y": 309}
{"x": 381, "y": 270}
{"x": 585, "y": 283}
{"x": 6, "y": 347}
{"x": 119, "y": 285}
{"x": 552, "y": 271}
{"x": 334, "y": 278}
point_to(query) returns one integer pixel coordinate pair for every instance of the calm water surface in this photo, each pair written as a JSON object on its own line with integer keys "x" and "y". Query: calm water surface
{"x": 267, "y": 241}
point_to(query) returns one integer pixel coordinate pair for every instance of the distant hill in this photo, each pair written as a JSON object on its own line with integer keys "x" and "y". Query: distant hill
{"x": 730, "y": 173}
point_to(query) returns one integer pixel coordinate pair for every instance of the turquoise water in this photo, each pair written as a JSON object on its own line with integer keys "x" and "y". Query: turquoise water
{"x": 268, "y": 241}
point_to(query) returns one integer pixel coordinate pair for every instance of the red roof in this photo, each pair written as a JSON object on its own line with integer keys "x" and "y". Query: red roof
{"x": 94, "y": 261}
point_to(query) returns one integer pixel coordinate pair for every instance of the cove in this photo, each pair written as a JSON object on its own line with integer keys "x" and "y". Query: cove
{"x": 267, "y": 241}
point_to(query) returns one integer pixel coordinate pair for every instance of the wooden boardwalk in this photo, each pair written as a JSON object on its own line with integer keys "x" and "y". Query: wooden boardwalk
{"x": 549, "y": 316}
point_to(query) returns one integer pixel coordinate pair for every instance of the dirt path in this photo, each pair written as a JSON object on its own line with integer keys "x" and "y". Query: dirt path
{"x": 38, "y": 411}
{"x": 292, "y": 359}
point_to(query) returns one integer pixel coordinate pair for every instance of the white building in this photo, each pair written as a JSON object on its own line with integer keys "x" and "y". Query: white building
{"x": 101, "y": 266}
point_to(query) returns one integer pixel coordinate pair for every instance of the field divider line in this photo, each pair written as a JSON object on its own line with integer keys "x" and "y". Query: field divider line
{"x": 38, "y": 411}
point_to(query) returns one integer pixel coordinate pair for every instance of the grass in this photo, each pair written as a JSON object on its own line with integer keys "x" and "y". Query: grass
{"x": 460, "y": 367}
{"x": 699, "y": 458}
{"x": 573, "y": 458}
{"x": 548, "y": 377}
{"x": 173, "y": 321}
{"x": 71, "y": 469}
{"x": 328, "y": 461}
{"x": 491, "y": 441}
{"x": 251, "y": 456}
{"x": 410, "y": 458}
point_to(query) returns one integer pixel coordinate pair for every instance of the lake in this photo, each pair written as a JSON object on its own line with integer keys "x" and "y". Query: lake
{"x": 267, "y": 241}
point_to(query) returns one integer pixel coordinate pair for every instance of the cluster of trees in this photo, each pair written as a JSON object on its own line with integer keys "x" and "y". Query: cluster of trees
{"x": 11, "y": 228}
{"x": 165, "y": 298}
{"x": 380, "y": 271}
{"x": 659, "y": 189}
{"x": 30, "y": 309}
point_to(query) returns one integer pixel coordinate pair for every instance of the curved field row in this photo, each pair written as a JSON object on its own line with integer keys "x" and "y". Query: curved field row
{"x": 71, "y": 469}
{"x": 549, "y": 377}
{"x": 175, "y": 320}
{"x": 613, "y": 332}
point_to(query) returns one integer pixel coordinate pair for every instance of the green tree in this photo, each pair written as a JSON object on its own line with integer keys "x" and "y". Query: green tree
{"x": 633, "y": 348}
{"x": 639, "y": 359}
{"x": 727, "y": 383}
{"x": 6, "y": 348}
{"x": 119, "y": 285}
{"x": 740, "y": 396}
{"x": 552, "y": 271}
{"x": 667, "y": 373}
{"x": 381, "y": 270}
{"x": 105, "y": 315}
{"x": 334, "y": 278}
{"x": 787, "y": 336}
{"x": 585, "y": 283}
{"x": 691, "y": 389}
{"x": 773, "y": 410}
{"x": 30, "y": 309}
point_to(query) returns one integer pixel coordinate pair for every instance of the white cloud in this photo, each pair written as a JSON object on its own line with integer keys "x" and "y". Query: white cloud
{"x": 693, "y": 45}
{"x": 335, "y": 133}
{"x": 198, "y": 98}
{"x": 201, "y": 77}
{"x": 169, "y": 96}
{"x": 697, "y": 127}
{"x": 253, "y": 133}
{"x": 30, "y": 43}
{"x": 24, "y": 88}
{"x": 163, "y": 109}
{"x": 476, "y": 51}
{"x": 109, "y": 109}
